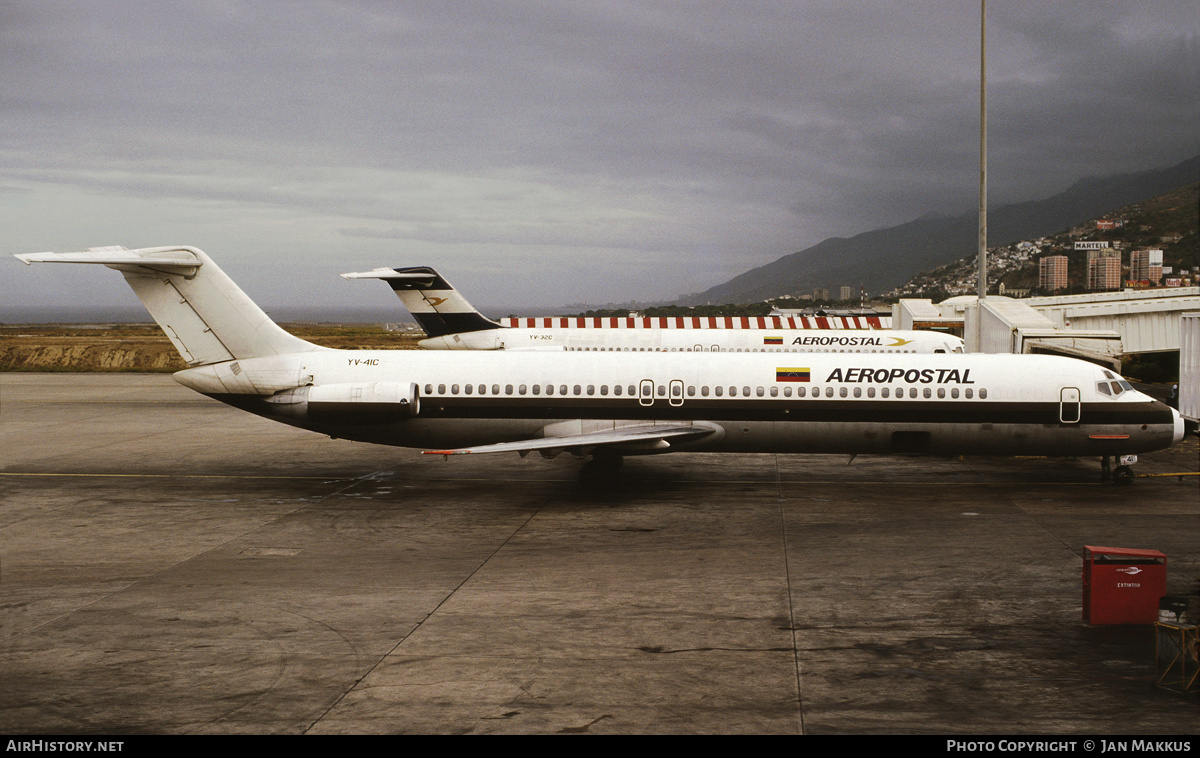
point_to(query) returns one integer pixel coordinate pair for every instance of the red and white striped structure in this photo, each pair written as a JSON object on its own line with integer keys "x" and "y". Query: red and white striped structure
{"x": 700, "y": 322}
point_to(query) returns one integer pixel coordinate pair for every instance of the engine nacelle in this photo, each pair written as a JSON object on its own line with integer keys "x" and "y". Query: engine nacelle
{"x": 360, "y": 402}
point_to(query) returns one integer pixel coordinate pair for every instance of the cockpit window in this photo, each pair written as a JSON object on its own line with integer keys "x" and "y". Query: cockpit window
{"x": 1103, "y": 388}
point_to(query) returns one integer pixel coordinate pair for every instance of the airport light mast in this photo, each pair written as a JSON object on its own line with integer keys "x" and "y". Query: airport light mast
{"x": 983, "y": 149}
{"x": 982, "y": 257}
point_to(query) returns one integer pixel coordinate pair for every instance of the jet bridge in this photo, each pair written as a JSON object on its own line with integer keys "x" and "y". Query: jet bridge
{"x": 1005, "y": 325}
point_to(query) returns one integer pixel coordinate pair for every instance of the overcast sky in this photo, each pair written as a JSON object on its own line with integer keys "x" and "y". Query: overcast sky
{"x": 551, "y": 152}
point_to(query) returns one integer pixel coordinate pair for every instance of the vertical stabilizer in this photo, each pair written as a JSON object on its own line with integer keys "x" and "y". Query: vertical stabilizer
{"x": 206, "y": 316}
{"x": 438, "y": 308}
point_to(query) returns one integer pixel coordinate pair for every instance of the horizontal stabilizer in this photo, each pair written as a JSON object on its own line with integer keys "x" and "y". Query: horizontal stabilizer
{"x": 415, "y": 277}
{"x": 171, "y": 258}
{"x": 644, "y": 438}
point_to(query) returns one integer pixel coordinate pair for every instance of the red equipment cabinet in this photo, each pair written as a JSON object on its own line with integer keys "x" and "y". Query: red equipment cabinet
{"x": 1122, "y": 585}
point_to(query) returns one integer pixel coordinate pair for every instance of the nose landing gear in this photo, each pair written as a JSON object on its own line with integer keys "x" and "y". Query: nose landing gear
{"x": 1122, "y": 474}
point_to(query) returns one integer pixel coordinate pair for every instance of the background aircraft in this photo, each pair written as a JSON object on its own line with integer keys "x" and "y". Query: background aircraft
{"x": 452, "y": 323}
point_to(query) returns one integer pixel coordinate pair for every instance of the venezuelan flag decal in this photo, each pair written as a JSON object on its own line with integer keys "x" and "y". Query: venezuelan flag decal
{"x": 772, "y": 340}
{"x": 791, "y": 374}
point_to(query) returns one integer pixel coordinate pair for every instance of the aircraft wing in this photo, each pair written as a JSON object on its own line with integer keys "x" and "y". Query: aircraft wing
{"x": 644, "y": 438}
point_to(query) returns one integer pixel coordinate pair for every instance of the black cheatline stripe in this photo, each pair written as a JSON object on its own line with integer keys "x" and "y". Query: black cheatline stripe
{"x": 876, "y": 411}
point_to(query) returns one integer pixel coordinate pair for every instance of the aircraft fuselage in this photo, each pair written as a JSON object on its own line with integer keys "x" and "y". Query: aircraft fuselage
{"x": 808, "y": 403}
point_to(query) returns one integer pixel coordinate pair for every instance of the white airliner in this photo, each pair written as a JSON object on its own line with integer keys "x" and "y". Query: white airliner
{"x": 609, "y": 404}
{"x": 452, "y": 323}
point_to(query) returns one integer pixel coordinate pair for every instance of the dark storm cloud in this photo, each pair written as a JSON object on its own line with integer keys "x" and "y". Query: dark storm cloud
{"x": 618, "y": 149}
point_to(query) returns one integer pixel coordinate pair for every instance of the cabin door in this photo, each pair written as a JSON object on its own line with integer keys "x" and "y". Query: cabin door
{"x": 1068, "y": 405}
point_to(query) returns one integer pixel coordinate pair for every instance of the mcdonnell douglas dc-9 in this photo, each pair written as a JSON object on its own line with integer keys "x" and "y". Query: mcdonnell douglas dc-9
{"x": 610, "y": 404}
{"x": 452, "y": 323}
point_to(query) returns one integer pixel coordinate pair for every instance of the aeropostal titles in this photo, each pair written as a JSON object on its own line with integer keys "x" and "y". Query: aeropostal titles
{"x": 909, "y": 376}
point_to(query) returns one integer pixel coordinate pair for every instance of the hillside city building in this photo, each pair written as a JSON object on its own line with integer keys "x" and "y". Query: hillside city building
{"x": 1052, "y": 273}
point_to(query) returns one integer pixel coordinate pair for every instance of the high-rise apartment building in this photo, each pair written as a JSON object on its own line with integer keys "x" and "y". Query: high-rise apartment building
{"x": 1104, "y": 270}
{"x": 1146, "y": 266}
{"x": 1052, "y": 273}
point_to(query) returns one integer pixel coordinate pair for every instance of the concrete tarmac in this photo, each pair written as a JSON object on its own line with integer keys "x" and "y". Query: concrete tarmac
{"x": 170, "y": 565}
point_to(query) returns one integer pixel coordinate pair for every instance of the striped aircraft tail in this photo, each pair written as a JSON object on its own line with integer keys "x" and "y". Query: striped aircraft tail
{"x": 438, "y": 308}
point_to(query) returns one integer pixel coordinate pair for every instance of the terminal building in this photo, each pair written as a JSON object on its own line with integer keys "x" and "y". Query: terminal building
{"x": 1100, "y": 327}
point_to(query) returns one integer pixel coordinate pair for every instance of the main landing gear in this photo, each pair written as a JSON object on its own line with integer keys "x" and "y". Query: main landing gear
{"x": 1122, "y": 474}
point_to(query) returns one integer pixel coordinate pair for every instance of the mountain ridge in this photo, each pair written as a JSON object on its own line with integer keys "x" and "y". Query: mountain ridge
{"x": 883, "y": 259}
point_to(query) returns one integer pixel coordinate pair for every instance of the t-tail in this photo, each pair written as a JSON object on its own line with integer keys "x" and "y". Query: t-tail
{"x": 206, "y": 316}
{"x": 438, "y": 308}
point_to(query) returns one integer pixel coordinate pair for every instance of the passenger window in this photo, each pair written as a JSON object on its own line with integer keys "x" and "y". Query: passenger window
{"x": 453, "y": 389}
{"x": 842, "y": 392}
{"x": 928, "y": 393}
{"x": 941, "y": 392}
{"x": 982, "y": 394}
{"x": 508, "y": 389}
{"x": 467, "y": 389}
{"x": 604, "y": 389}
{"x": 428, "y": 389}
{"x": 970, "y": 393}
{"x": 496, "y": 389}
{"x": 549, "y": 389}
{"x": 577, "y": 390}
{"x": 441, "y": 389}
{"x": 521, "y": 390}
{"x": 691, "y": 390}
{"x": 745, "y": 392}
{"x": 537, "y": 389}
{"x": 774, "y": 392}
{"x": 954, "y": 392}
{"x": 829, "y": 392}
{"x": 720, "y": 391}
{"x": 562, "y": 389}
{"x": 631, "y": 392}
{"x": 884, "y": 392}
{"x": 733, "y": 391}
{"x": 591, "y": 390}
{"x": 704, "y": 391}
{"x": 912, "y": 391}
{"x": 787, "y": 391}
{"x": 858, "y": 391}
{"x": 870, "y": 392}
